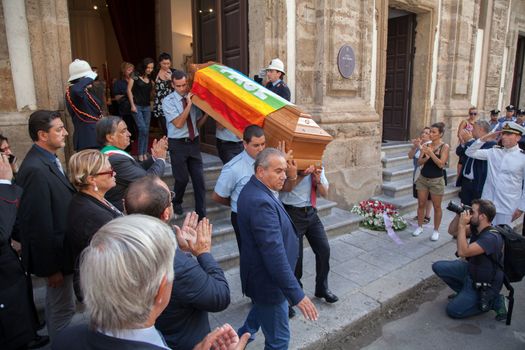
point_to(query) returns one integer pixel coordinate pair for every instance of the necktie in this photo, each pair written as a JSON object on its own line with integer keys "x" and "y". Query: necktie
{"x": 189, "y": 124}
{"x": 59, "y": 166}
{"x": 313, "y": 191}
{"x": 468, "y": 166}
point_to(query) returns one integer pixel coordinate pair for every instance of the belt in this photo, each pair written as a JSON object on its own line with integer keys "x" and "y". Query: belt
{"x": 234, "y": 142}
{"x": 301, "y": 209}
{"x": 186, "y": 139}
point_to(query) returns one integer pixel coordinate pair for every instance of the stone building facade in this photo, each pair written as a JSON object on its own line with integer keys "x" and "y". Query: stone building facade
{"x": 463, "y": 53}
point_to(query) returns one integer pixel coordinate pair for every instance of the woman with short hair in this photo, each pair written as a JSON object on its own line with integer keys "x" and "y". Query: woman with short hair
{"x": 92, "y": 175}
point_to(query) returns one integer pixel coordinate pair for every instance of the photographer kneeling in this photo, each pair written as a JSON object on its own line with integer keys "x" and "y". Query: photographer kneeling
{"x": 476, "y": 280}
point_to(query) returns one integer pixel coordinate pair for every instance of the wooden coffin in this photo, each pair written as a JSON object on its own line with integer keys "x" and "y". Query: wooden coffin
{"x": 236, "y": 101}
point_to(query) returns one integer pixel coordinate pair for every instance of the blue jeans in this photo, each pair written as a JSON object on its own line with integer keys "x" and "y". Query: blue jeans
{"x": 273, "y": 319}
{"x": 455, "y": 274}
{"x": 142, "y": 118}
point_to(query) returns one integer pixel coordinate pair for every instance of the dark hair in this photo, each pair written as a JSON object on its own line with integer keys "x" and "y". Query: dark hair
{"x": 164, "y": 56}
{"x": 3, "y": 138}
{"x": 252, "y": 131}
{"x": 41, "y": 121}
{"x": 486, "y": 207}
{"x": 440, "y": 126}
{"x": 147, "y": 196}
{"x": 142, "y": 65}
{"x": 177, "y": 74}
{"x": 106, "y": 126}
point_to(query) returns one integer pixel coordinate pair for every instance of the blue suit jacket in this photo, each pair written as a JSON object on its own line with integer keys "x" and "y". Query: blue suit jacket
{"x": 269, "y": 248}
{"x": 479, "y": 168}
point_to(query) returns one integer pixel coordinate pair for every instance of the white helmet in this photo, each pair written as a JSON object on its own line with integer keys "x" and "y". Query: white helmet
{"x": 79, "y": 69}
{"x": 276, "y": 64}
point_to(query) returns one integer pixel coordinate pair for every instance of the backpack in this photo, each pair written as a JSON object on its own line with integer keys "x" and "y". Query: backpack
{"x": 513, "y": 254}
{"x": 513, "y": 261}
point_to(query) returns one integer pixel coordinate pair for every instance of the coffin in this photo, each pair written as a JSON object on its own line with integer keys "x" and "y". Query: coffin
{"x": 236, "y": 101}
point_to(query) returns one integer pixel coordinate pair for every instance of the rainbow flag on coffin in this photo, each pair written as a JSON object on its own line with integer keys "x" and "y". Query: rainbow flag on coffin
{"x": 238, "y": 100}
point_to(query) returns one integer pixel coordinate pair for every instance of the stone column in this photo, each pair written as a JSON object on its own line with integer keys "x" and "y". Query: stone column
{"x": 19, "y": 53}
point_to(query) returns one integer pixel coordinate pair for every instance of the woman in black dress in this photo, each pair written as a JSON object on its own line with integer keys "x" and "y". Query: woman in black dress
{"x": 162, "y": 89}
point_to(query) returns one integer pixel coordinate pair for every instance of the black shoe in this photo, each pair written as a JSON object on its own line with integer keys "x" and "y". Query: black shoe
{"x": 177, "y": 209}
{"x": 328, "y": 296}
{"x": 41, "y": 325}
{"x": 291, "y": 312}
{"x": 38, "y": 342}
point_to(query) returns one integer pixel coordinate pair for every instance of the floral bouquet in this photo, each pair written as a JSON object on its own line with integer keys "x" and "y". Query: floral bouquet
{"x": 373, "y": 215}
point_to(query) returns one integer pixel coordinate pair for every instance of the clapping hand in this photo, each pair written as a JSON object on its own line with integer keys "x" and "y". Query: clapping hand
{"x": 159, "y": 148}
{"x": 223, "y": 338}
{"x": 188, "y": 232}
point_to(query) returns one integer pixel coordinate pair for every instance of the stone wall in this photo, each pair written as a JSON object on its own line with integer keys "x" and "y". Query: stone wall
{"x": 7, "y": 92}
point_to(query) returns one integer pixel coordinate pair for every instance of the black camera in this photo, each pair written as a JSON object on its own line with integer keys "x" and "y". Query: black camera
{"x": 458, "y": 208}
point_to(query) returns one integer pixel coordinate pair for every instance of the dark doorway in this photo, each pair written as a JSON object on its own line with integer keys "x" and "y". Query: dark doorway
{"x": 517, "y": 81}
{"x": 220, "y": 29}
{"x": 398, "y": 84}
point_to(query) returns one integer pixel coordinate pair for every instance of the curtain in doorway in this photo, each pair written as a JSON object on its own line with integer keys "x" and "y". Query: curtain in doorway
{"x": 134, "y": 25}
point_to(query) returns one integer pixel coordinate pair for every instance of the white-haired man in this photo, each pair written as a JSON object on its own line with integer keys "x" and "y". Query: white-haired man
{"x": 127, "y": 275}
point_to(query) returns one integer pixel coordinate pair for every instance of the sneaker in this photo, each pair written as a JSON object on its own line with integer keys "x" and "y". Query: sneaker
{"x": 177, "y": 209}
{"x": 418, "y": 231}
{"x": 435, "y": 236}
{"x": 501, "y": 308}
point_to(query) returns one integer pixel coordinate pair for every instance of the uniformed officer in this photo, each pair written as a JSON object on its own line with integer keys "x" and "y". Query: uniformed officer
{"x": 509, "y": 116}
{"x": 520, "y": 117}
{"x": 274, "y": 74}
{"x": 299, "y": 196}
{"x": 506, "y": 169}
{"x": 228, "y": 144}
{"x": 237, "y": 172}
{"x": 494, "y": 119}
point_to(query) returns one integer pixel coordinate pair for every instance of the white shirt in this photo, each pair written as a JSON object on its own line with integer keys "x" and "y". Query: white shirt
{"x": 234, "y": 175}
{"x": 506, "y": 172}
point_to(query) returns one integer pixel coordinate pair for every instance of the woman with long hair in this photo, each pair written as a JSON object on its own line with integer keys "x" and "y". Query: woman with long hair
{"x": 139, "y": 95}
{"x": 433, "y": 159}
{"x": 413, "y": 154}
{"x": 162, "y": 89}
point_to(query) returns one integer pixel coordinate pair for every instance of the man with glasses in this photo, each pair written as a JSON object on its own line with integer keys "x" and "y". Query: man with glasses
{"x": 42, "y": 216}
{"x": 506, "y": 172}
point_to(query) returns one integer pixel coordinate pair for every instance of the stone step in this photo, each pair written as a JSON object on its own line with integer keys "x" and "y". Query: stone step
{"x": 396, "y": 160}
{"x": 211, "y": 173}
{"x": 223, "y": 230}
{"x": 336, "y": 223}
{"x": 408, "y": 203}
{"x": 390, "y": 148}
{"x": 404, "y": 186}
{"x": 398, "y": 173}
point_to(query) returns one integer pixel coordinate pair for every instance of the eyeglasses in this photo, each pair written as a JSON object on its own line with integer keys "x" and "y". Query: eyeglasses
{"x": 473, "y": 113}
{"x": 5, "y": 149}
{"x": 109, "y": 172}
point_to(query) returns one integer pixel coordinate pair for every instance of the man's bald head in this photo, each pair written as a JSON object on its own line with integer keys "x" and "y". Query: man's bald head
{"x": 149, "y": 196}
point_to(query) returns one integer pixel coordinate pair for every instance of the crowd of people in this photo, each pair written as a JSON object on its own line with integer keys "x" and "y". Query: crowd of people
{"x": 100, "y": 232}
{"x": 490, "y": 174}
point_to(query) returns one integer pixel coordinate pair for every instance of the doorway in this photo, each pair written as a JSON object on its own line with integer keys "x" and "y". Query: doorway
{"x": 516, "y": 97}
{"x": 220, "y": 29}
{"x": 398, "y": 80}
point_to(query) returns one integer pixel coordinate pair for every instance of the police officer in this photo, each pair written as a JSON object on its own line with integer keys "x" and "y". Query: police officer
{"x": 274, "y": 74}
{"x": 509, "y": 116}
{"x": 237, "y": 172}
{"x": 228, "y": 144}
{"x": 494, "y": 119}
{"x": 506, "y": 169}
{"x": 299, "y": 196}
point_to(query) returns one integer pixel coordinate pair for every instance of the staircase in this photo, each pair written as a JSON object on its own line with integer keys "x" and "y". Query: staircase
{"x": 397, "y": 178}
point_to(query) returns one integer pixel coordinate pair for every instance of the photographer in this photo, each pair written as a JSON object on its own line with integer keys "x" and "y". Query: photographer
{"x": 477, "y": 280}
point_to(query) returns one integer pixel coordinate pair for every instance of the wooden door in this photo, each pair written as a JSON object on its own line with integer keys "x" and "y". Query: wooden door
{"x": 221, "y": 35}
{"x": 517, "y": 81}
{"x": 398, "y": 85}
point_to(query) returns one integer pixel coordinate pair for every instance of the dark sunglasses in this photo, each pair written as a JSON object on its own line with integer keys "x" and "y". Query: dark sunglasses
{"x": 109, "y": 172}
{"x": 473, "y": 113}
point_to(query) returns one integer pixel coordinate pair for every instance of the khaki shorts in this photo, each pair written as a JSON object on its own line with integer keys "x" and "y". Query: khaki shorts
{"x": 434, "y": 186}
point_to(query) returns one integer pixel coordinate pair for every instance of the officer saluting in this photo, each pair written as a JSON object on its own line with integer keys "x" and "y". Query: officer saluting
{"x": 274, "y": 74}
{"x": 506, "y": 169}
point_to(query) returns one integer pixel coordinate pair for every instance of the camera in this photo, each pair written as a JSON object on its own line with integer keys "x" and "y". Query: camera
{"x": 458, "y": 208}
{"x": 484, "y": 295}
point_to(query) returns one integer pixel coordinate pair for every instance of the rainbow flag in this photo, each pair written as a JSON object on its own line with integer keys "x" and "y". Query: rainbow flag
{"x": 237, "y": 98}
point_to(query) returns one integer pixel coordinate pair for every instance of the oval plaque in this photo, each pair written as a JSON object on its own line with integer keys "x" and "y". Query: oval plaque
{"x": 346, "y": 61}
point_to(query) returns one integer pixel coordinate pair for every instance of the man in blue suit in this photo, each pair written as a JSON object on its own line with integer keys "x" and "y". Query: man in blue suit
{"x": 270, "y": 248}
